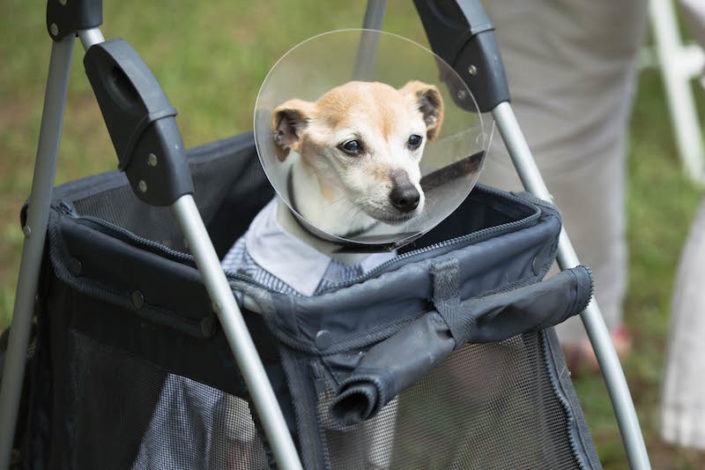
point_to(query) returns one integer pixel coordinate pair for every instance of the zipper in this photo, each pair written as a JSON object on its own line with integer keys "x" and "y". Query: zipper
{"x": 463, "y": 240}
{"x": 130, "y": 237}
{"x": 560, "y": 393}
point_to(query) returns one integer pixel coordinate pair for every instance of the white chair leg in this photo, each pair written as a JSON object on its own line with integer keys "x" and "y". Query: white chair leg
{"x": 678, "y": 66}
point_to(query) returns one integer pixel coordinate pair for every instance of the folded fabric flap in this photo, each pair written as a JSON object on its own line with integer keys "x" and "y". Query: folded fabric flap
{"x": 401, "y": 360}
{"x": 392, "y": 366}
{"x": 500, "y": 316}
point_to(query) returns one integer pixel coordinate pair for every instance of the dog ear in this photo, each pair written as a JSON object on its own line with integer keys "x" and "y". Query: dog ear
{"x": 429, "y": 103}
{"x": 288, "y": 120}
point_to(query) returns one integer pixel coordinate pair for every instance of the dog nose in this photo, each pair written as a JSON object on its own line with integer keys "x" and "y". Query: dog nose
{"x": 405, "y": 197}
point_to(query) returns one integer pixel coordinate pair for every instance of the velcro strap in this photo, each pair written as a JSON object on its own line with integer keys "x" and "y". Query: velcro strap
{"x": 446, "y": 295}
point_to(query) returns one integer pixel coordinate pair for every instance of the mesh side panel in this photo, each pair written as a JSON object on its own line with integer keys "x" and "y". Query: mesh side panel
{"x": 120, "y": 207}
{"x": 490, "y": 406}
{"x": 220, "y": 185}
{"x": 122, "y": 413}
{"x": 365, "y": 446}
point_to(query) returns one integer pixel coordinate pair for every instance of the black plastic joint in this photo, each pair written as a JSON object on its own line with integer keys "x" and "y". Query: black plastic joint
{"x": 460, "y": 32}
{"x": 140, "y": 121}
{"x": 66, "y": 17}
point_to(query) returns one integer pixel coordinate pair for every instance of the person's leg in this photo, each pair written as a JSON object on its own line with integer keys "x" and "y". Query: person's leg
{"x": 571, "y": 70}
{"x": 683, "y": 400}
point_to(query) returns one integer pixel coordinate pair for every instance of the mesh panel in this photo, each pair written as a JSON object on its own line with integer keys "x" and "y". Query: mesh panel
{"x": 120, "y": 207}
{"x": 490, "y": 406}
{"x": 121, "y": 413}
{"x": 220, "y": 185}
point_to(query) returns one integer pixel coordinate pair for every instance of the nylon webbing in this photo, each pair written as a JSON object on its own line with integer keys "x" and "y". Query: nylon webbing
{"x": 446, "y": 296}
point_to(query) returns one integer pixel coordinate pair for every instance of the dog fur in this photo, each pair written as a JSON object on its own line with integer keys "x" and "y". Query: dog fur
{"x": 343, "y": 192}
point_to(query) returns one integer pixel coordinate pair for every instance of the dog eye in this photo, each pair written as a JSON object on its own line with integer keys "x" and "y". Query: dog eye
{"x": 351, "y": 147}
{"x": 414, "y": 141}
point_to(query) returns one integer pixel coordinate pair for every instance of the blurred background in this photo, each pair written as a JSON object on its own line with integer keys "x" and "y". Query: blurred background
{"x": 211, "y": 57}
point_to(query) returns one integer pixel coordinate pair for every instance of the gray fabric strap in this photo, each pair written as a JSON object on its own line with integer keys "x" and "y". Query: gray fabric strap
{"x": 446, "y": 297}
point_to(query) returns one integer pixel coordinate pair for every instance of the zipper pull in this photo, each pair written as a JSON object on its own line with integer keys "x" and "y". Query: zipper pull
{"x": 67, "y": 209}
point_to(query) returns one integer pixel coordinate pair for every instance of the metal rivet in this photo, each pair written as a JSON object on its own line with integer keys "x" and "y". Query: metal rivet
{"x": 53, "y": 29}
{"x": 152, "y": 160}
{"x": 27, "y": 231}
{"x": 472, "y": 70}
{"x": 63, "y": 2}
{"x": 142, "y": 186}
{"x": 75, "y": 266}
{"x": 323, "y": 339}
{"x": 462, "y": 94}
{"x": 208, "y": 326}
{"x": 137, "y": 299}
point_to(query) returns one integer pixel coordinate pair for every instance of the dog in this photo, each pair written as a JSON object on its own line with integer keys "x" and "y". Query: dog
{"x": 356, "y": 154}
{"x": 352, "y": 160}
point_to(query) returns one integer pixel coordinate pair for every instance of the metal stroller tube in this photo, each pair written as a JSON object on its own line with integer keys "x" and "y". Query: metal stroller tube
{"x": 89, "y": 37}
{"x": 592, "y": 317}
{"x": 236, "y": 331}
{"x": 35, "y": 234}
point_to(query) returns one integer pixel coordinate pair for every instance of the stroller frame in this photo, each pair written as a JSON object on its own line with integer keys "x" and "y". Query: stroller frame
{"x": 88, "y": 16}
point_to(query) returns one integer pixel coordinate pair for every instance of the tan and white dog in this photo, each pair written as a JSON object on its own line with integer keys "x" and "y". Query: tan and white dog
{"x": 354, "y": 160}
{"x": 355, "y": 154}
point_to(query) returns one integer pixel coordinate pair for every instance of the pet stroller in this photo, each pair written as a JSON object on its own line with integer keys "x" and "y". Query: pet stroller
{"x": 443, "y": 357}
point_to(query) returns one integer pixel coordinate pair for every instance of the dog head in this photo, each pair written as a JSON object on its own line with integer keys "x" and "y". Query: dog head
{"x": 363, "y": 142}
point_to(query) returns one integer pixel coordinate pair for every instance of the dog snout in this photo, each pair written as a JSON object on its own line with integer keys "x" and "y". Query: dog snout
{"x": 404, "y": 195}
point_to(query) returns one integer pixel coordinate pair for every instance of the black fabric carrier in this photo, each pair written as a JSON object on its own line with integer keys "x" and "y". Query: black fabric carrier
{"x": 442, "y": 358}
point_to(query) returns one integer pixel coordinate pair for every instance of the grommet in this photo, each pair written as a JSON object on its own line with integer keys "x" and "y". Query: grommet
{"x": 75, "y": 267}
{"x": 323, "y": 339}
{"x": 142, "y": 186}
{"x": 152, "y": 160}
{"x": 137, "y": 299}
{"x": 208, "y": 326}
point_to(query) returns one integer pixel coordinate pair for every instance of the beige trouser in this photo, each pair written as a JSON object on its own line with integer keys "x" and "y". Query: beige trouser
{"x": 683, "y": 401}
{"x": 571, "y": 70}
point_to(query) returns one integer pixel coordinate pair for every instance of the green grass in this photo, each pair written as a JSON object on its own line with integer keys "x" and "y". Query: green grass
{"x": 210, "y": 57}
